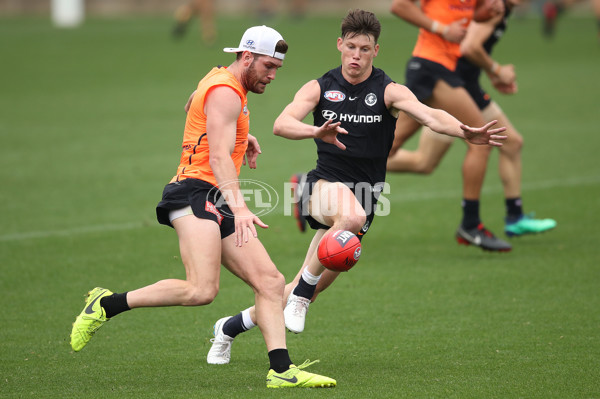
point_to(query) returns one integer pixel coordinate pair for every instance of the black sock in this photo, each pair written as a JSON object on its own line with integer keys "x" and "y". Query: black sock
{"x": 114, "y": 304}
{"x": 280, "y": 360}
{"x": 470, "y": 218}
{"x": 304, "y": 289}
{"x": 514, "y": 208}
{"x": 234, "y": 326}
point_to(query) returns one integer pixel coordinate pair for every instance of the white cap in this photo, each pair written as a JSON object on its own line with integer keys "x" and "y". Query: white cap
{"x": 260, "y": 40}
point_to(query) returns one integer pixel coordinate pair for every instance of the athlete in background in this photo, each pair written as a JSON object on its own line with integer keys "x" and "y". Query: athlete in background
{"x": 476, "y": 48}
{"x": 431, "y": 75}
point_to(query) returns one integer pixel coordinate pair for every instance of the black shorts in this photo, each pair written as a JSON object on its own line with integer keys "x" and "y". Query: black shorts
{"x": 206, "y": 201}
{"x": 422, "y": 75}
{"x": 481, "y": 98}
{"x": 367, "y": 200}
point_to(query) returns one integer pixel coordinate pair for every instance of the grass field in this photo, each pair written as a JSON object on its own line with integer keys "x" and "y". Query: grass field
{"x": 90, "y": 128}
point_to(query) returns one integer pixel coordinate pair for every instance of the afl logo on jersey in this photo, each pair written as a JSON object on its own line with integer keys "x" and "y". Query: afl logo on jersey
{"x": 371, "y": 99}
{"x": 334, "y": 96}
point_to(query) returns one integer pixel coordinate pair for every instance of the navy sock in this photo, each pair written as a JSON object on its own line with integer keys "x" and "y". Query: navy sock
{"x": 234, "y": 326}
{"x": 514, "y": 208}
{"x": 279, "y": 360}
{"x": 114, "y": 304}
{"x": 304, "y": 289}
{"x": 470, "y": 218}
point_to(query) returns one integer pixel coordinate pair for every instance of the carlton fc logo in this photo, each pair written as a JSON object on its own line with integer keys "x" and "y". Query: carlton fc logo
{"x": 334, "y": 96}
{"x": 371, "y": 99}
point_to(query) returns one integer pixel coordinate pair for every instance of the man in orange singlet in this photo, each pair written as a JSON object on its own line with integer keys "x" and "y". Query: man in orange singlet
{"x": 430, "y": 74}
{"x": 204, "y": 204}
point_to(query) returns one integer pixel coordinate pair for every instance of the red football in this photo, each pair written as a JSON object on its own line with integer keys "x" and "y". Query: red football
{"x": 339, "y": 250}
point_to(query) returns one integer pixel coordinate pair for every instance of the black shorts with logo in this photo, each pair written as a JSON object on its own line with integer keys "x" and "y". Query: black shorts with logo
{"x": 206, "y": 201}
{"x": 481, "y": 98}
{"x": 369, "y": 206}
{"x": 422, "y": 75}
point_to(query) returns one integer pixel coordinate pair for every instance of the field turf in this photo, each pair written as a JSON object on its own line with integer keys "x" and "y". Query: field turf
{"x": 90, "y": 128}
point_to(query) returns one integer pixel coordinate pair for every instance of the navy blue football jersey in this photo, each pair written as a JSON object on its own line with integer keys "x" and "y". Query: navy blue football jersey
{"x": 362, "y": 112}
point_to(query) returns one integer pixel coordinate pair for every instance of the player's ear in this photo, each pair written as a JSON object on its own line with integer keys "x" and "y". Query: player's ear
{"x": 247, "y": 58}
{"x": 376, "y": 50}
{"x": 339, "y": 43}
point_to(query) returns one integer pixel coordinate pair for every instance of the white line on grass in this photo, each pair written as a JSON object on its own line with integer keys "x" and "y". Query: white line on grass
{"x": 398, "y": 195}
{"x": 70, "y": 232}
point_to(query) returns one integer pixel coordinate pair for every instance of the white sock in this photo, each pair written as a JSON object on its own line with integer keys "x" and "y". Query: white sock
{"x": 247, "y": 320}
{"x": 309, "y": 277}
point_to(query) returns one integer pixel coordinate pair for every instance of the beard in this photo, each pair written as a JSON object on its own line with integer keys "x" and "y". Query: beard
{"x": 251, "y": 81}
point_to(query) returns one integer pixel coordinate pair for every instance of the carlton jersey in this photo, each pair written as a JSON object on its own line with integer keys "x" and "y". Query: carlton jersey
{"x": 195, "y": 154}
{"x": 362, "y": 112}
{"x": 469, "y": 71}
{"x": 434, "y": 47}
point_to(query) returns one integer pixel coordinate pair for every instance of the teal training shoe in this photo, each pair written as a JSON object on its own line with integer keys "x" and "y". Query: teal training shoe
{"x": 91, "y": 318}
{"x": 528, "y": 225}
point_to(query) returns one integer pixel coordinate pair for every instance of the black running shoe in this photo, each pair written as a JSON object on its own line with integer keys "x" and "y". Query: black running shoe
{"x": 298, "y": 180}
{"x": 481, "y": 237}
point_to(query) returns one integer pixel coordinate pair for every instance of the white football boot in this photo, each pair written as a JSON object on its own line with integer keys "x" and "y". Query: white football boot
{"x": 220, "y": 351}
{"x": 295, "y": 313}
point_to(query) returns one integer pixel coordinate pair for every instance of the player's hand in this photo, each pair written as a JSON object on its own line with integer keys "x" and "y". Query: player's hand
{"x": 186, "y": 108}
{"x": 456, "y": 31}
{"x": 483, "y": 135}
{"x": 506, "y": 89}
{"x": 252, "y": 152}
{"x": 244, "y": 226}
{"x": 506, "y": 75}
{"x": 329, "y": 131}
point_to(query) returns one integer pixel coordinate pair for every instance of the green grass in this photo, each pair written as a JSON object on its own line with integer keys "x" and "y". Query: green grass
{"x": 90, "y": 128}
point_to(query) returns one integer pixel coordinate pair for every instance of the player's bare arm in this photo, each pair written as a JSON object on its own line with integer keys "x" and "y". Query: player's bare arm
{"x": 409, "y": 11}
{"x": 222, "y": 109}
{"x": 400, "y": 98}
{"x": 503, "y": 77}
{"x": 289, "y": 123}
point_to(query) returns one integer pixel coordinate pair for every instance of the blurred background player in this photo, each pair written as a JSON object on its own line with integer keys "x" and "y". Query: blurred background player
{"x": 476, "y": 48}
{"x": 267, "y": 9}
{"x": 431, "y": 75}
{"x": 204, "y": 204}
{"x": 553, "y": 9}
{"x": 205, "y": 11}
{"x": 354, "y": 107}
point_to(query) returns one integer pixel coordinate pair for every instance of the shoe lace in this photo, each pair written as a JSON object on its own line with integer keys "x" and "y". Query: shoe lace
{"x": 300, "y": 306}
{"x": 307, "y": 363}
{"x": 220, "y": 345}
{"x": 485, "y": 231}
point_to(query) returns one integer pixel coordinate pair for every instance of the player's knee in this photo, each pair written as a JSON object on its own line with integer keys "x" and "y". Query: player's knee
{"x": 425, "y": 168}
{"x": 199, "y": 296}
{"x": 517, "y": 142}
{"x": 270, "y": 283}
{"x": 353, "y": 222}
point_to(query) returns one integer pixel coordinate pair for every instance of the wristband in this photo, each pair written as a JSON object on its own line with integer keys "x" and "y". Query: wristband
{"x": 439, "y": 29}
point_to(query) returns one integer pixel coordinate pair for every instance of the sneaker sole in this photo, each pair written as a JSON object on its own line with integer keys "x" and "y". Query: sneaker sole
{"x": 462, "y": 241}
{"x": 511, "y": 234}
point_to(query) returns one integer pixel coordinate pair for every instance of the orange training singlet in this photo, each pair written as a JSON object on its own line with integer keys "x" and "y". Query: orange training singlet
{"x": 434, "y": 47}
{"x": 194, "y": 155}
